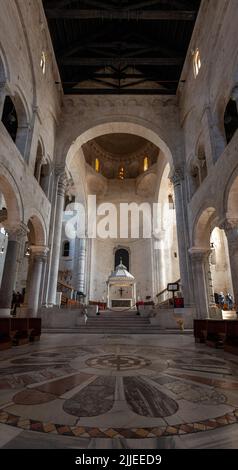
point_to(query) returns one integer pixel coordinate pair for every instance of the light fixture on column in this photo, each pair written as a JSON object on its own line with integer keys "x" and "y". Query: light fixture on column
{"x": 2, "y": 250}
{"x": 27, "y": 250}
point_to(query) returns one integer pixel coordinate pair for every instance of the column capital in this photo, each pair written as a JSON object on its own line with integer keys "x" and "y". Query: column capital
{"x": 177, "y": 176}
{"x": 199, "y": 254}
{"x": 17, "y": 233}
{"x": 39, "y": 252}
{"x": 62, "y": 184}
{"x": 229, "y": 224}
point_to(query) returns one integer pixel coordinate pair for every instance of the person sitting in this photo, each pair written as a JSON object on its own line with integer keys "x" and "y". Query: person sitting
{"x": 229, "y": 301}
{"x": 221, "y": 300}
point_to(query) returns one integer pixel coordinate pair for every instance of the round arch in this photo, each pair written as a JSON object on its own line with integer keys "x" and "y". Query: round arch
{"x": 125, "y": 127}
{"x": 38, "y": 232}
{"x": 12, "y": 196}
{"x": 231, "y": 197}
{"x": 204, "y": 223}
{"x": 4, "y": 68}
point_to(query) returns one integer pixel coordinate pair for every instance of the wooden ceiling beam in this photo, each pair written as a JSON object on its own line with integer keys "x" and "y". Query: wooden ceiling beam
{"x": 147, "y": 15}
{"x": 179, "y": 4}
{"x": 120, "y": 91}
{"x": 104, "y": 61}
{"x": 122, "y": 76}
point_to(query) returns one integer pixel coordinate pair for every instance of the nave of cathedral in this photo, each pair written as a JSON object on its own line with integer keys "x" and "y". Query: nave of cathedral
{"x": 118, "y": 224}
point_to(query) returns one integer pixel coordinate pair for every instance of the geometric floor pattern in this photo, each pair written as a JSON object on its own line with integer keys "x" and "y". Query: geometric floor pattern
{"x": 117, "y": 388}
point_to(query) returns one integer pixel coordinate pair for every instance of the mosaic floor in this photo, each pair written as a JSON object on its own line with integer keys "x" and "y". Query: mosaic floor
{"x": 102, "y": 391}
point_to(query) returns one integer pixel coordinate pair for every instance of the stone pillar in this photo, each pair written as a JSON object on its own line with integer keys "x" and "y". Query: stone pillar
{"x": 199, "y": 259}
{"x": 134, "y": 293}
{"x": 79, "y": 279}
{"x": 55, "y": 257}
{"x": 108, "y": 295}
{"x": 182, "y": 233}
{"x": 2, "y": 96}
{"x": 231, "y": 229}
{"x": 15, "y": 236}
{"x": 159, "y": 259}
{"x": 38, "y": 258}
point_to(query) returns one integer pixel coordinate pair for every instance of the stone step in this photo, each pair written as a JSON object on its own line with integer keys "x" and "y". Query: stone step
{"x": 85, "y": 330}
{"x": 118, "y": 321}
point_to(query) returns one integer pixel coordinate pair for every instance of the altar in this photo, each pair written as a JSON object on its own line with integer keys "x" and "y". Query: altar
{"x": 121, "y": 288}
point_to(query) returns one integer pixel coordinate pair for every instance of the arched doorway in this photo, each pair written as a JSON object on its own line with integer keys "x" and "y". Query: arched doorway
{"x": 146, "y": 283}
{"x": 219, "y": 262}
{"x": 122, "y": 256}
{"x": 12, "y": 230}
{"x": 74, "y": 155}
{"x": 34, "y": 257}
{"x": 166, "y": 241}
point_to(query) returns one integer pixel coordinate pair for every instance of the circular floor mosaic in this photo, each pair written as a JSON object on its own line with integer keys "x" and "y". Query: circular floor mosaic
{"x": 99, "y": 391}
{"x": 119, "y": 362}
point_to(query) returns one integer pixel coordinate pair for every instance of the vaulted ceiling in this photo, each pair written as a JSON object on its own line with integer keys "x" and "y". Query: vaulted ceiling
{"x": 121, "y": 46}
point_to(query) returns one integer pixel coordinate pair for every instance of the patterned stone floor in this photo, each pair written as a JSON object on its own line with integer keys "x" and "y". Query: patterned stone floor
{"x": 111, "y": 391}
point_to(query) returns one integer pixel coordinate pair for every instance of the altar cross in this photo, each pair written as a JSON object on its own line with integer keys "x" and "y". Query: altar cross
{"x": 121, "y": 291}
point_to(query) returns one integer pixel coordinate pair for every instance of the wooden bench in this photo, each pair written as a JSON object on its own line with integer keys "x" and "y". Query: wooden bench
{"x": 34, "y": 329}
{"x": 216, "y": 333}
{"x": 231, "y": 341}
{"x": 19, "y": 331}
{"x": 200, "y": 330}
{"x": 5, "y": 338}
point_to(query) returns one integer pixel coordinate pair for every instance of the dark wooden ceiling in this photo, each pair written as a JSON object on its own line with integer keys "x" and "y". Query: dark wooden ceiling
{"x": 121, "y": 46}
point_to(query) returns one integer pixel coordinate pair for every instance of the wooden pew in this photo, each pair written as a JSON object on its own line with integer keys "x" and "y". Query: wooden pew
{"x": 216, "y": 333}
{"x": 200, "y": 330}
{"x": 231, "y": 341}
{"x": 5, "y": 338}
{"x": 19, "y": 331}
{"x": 34, "y": 329}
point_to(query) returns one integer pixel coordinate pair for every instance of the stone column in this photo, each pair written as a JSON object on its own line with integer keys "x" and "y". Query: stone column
{"x": 182, "y": 233}
{"x": 15, "y": 236}
{"x": 38, "y": 258}
{"x": 199, "y": 259}
{"x": 2, "y": 96}
{"x": 159, "y": 259}
{"x": 79, "y": 279}
{"x": 55, "y": 257}
{"x": 134, "y": 293}
{"x": 108, "y": 295}
{"x": 231, "y": 229}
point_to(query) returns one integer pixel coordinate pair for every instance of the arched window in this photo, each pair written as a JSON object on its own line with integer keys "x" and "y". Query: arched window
{"x": 45, "y": 177}
{"x": 15, "y": 120}
{"x": 122, "y": 254}
{"x": 39, "y": 158}
{"x": 146, "y": 163}
{"x": 196, "y": 63}
{"x": 9, "y": 118}
{"x": 230, "y": 120}
{"x": 66, "y": 249}
{"x": 194, "y": 179}
{"x": 97, "y": 165}
{"x": 202, "y": 163}
{"x": 43, "y": 62}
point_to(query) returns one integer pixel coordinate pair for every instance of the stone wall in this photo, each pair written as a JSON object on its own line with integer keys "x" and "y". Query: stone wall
{"x": 23, "y": 37}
